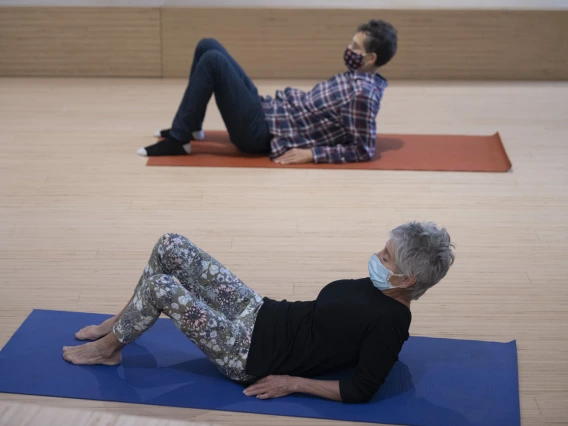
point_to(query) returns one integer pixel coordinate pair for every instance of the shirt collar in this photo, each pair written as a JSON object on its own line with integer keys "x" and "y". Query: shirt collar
{"x": 376, "y": 78}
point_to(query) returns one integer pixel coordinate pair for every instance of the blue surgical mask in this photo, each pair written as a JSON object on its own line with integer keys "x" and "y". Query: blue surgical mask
{"x": 380, "y": 274}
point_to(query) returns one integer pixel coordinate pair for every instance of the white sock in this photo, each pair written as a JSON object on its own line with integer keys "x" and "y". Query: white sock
{"x": 187, "y": 148}
{"x": 198, "y": 135}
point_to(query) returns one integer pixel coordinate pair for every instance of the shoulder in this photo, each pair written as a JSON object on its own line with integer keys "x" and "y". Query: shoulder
{"x": 385, "y": 313}
{"x": 369, "y": 84}
{"x": 368, "y": 91}
{"x": 367, "y": 94}
{"x": 362, "y": 284}
{"x": 394, "y": 316}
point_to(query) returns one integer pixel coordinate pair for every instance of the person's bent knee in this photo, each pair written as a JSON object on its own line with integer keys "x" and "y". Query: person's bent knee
{"x": 212, "y": 58}
{"x": 208, "y": 44}
{"x": 164, "y": 238}
{"x": 170, "y": 248}
{"x": 160, "y": 281}
{"x": 169, "y": 239}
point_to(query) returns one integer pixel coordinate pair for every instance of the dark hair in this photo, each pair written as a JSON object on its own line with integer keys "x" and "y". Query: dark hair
{"x": 381, "y": 39}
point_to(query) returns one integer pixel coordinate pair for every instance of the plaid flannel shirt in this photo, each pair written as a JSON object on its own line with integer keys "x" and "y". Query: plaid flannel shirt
{"x": 336, "y": 119}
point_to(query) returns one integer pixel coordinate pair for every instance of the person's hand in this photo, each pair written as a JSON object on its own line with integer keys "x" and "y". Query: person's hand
{"x": 296, "y": 156}
{"x": 271, "y": 387}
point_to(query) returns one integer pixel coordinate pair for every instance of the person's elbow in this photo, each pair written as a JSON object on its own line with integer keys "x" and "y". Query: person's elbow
{"x": 357, "y": 394}
{"x": 358, "y": 155}
{"x": 365, "y": 153}
{"x": 365, "y": 157}
{"x": 365, "y": 149}
{"x": 362, "y": 397}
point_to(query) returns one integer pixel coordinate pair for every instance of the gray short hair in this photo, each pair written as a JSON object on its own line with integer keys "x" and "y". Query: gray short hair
{"x": 424, "y": 251}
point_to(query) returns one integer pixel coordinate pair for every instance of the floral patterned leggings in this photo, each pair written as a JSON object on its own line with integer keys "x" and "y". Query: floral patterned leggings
{"x": 206, "y": 301}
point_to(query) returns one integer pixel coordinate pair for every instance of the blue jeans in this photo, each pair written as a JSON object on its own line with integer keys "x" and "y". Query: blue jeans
{"x": 215, "y": 71}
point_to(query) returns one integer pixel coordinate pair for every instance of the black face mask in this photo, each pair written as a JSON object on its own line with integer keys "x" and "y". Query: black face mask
{"x": 352, "y": 60}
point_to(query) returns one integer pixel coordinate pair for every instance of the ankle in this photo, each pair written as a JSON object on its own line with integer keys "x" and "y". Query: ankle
{"x": 110, "y": 321}
{"x": 109, "y": 345}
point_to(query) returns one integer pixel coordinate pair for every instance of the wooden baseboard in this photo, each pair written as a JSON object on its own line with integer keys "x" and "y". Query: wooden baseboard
{"x": 281, "y": 43}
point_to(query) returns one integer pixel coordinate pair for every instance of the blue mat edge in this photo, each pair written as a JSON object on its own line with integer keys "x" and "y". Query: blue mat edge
{"x": 512, "y": 342}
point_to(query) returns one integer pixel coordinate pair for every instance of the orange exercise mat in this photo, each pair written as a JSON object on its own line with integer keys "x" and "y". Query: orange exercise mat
{"x": 394, "y": 152}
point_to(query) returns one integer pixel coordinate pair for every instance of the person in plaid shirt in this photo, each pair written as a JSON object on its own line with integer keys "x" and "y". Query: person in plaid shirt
{"x": 335, "y": 122}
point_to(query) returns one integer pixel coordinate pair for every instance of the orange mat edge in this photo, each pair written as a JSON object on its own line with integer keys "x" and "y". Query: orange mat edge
{"x": 464, "y": 153}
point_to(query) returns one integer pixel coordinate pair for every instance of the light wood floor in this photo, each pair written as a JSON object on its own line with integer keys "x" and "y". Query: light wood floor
{"x": 18, "y": 414}
{"x": 80, "y": 213}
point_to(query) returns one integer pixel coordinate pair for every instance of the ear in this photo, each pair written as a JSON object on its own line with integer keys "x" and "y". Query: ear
{"x": 403, "y": 282}
{"x": 373, "y": 57}
{"x": 407, "y": 281}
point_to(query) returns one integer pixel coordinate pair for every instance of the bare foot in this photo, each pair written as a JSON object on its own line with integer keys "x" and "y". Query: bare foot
{"x": 92, "y": 353}
{"x": 94, "y": 332}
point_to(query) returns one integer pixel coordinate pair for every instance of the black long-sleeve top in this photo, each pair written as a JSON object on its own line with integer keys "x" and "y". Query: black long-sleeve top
{"x": 350, "y": 324}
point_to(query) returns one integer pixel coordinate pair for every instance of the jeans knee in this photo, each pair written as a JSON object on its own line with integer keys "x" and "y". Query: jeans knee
{"x": 208, "y": 44}
{"x": 212, "y": 58}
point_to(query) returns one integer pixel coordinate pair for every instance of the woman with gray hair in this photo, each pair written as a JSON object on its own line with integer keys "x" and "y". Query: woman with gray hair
{"x": 274, "y": 347}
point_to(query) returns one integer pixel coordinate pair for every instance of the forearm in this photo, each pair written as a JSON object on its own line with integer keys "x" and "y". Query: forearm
{"x": 324, "y": 388}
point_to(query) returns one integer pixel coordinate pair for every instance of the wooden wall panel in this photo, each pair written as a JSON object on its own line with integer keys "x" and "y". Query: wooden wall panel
{"x": 280, "y": 43}
{"x": 80, "y": 41}
{"x": 433, "y": 44}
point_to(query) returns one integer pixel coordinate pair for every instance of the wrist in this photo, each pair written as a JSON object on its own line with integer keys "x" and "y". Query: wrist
{"x": 314, "y": 154}
{"x": 295, "y": 384}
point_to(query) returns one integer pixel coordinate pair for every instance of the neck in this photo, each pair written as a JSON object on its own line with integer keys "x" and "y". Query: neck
{"x": 369, "y": 70}
{"x": 399, "y": 295}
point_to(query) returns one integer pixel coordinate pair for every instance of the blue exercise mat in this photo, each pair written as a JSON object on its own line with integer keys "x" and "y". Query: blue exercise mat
{"x": 437, "y": 382}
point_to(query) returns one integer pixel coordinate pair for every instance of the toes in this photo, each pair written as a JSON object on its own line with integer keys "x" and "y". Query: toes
{"x": 84, "y": 333}
{"x": 70, "y": 349}
{"x": 69, "y": 354}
